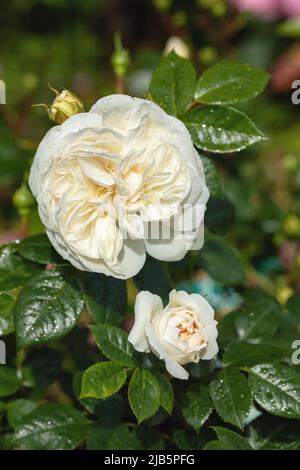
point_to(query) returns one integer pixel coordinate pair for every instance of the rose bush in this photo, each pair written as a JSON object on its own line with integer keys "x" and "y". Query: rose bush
{"x": 100, "y": 179}
{"x": 182, "y": 332}
{"x": 108, "y": 180}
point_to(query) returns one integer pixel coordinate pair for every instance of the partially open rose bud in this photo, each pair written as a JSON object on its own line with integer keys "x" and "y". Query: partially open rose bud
{"x": 182, "y": 332}
{"x": 65, "y": 105}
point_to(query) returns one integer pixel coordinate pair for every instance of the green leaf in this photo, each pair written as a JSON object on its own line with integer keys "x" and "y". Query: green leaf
{"x": 197, "y": 406}
{"x": 222, "y": 262}
{"x": 230, "y": 440}
{"x": 166, "y": 392}
{"x": 213, "y": 445}
{"x": 106, "y": 298}
{"x": 231, "y": 396}
{"x": 230, "y": 82}
{"x": 48, "y": 307}
{"x": 143, "y": 394}
{"x": 14, "y": 271}
{"x": 273, "y": 433}
{"x": 123, "y": 439}
{"x": 7, "y": 304}
{"x": 9, "y": 381}
{"x": 114, "y": 344}
{"x": 212, "y": 178}
{"x": 244, "y": 354}
{"x": 187, "y": 440}
{"x": 149, "y": 438}
{"x": 276, "y": 388}
{"x": 18, "y": 410}
{"x": 173, "y": 84}
{"x": 261, "y": 318}
{"x": 153, "y": 278}
{"x": 102, "y": 380}
{"x": 98, "y": 437}
{"x": 116, "y": 438}
{"x": 39, "y": 249}
{"x": 221, "y": 129}
{"x": 51, "y": 427}
{"x": 90, "y": 404}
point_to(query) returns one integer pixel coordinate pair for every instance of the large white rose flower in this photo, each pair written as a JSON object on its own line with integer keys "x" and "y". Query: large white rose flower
{"x": 102, "y": 178}
{"x": 182, "y": 332}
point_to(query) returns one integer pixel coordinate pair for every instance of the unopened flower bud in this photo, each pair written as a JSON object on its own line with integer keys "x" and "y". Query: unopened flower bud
{"x": 23, "y": 200}
{"x": 65, "y": 105}
{"x": 120, "y": 59}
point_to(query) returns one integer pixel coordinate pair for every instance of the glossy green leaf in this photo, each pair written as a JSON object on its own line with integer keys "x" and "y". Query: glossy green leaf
{"x": 114, "y": 344}
{"x": 48, "y": 307}
{"x": 273, "y": 433}
{"x": 276, "y": 388}
{"x": 90, "y": 404}
{"x": 106, "y": 298}
{"x": 123, "y": 439}
{"x": 221, "y": 129}
{"x": 197, "y": 406}
{"x": 188, "y": 440}
{"x": 9, "y": 381}
{"x": 51, "y": 427}
{"x": 14, "y": 271}
{"x": 230, "y": 440}
{"x": 245, "y": 354}
{"x": 166, "y": 392}
{"x": 39, "y": 249}
{"x": 143, "y": 394}
{"x": 212, "y": 178}
{"x": 231, "y": 396}
{"x": 7, "y": 305}
{"x": 18, "y": 410}
{"x": 222, "y": 262}
{"x": 102, "y": 380}
{"x": 230, "y": 82}
{"x": 173, "y": 84}
{"x": 261, "y": 318}
{"x": 116, "y": 438}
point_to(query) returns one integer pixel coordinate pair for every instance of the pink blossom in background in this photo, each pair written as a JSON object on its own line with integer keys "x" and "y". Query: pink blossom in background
{"x": 269, "y": 8}
{"x": 265, "y": 8}
{"x": 290, "y": 7}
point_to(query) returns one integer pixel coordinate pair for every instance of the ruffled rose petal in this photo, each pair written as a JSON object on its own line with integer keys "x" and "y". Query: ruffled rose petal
{"x": 146, "y": 304}
{"x": 173, "y": 367}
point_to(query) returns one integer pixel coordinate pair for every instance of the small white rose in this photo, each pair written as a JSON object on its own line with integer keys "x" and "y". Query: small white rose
{"x": 111, "y": 181}
{"x": 182, "y": 332}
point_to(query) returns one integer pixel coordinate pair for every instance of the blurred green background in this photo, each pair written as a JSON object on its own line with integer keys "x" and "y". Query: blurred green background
{"x": 69, "y": 43}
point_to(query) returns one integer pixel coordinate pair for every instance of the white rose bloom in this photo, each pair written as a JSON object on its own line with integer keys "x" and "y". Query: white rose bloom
{"x": 103, "y": 177}
{"x": 182, "y": 332}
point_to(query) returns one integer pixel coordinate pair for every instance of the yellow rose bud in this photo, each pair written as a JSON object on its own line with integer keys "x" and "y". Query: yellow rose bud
{"x": 65, "y": 105}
